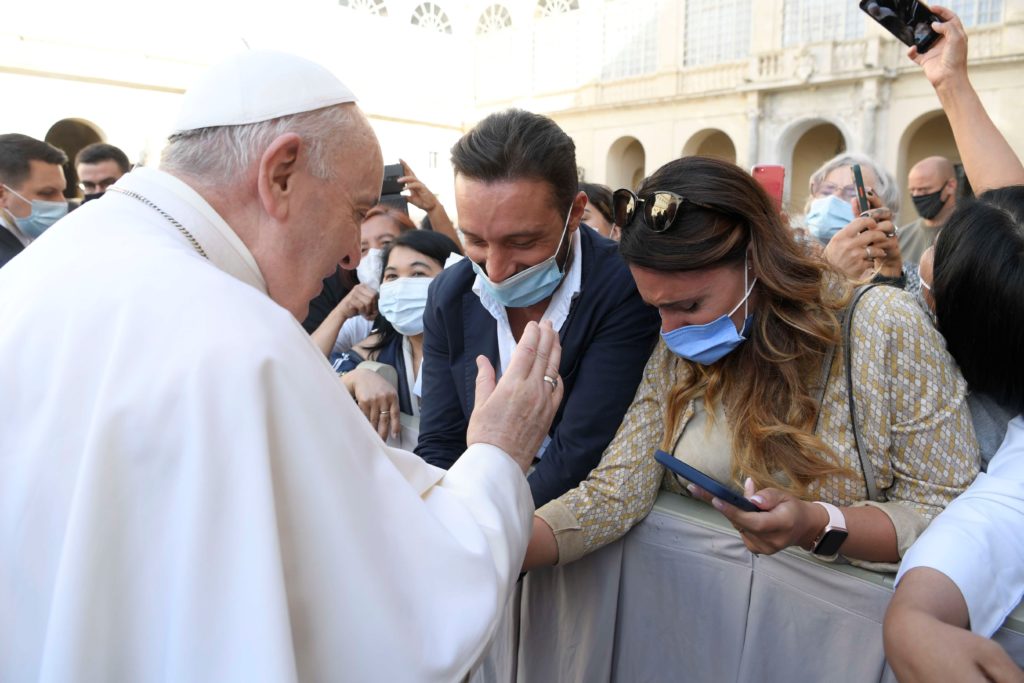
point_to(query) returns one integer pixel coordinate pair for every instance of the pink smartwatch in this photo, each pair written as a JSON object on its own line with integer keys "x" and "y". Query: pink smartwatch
{"x": 829, "y": 540}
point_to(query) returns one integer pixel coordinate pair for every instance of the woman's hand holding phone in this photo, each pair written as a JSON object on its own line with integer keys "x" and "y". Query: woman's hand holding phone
{"x": 867, "y": 244}
{"x": 784, "y": 520}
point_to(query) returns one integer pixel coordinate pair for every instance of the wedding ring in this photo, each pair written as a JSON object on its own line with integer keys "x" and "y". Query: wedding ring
{"x": 385, "y": 412}
{"x": 867, "y": 250}
{"x": 553, "y": 381}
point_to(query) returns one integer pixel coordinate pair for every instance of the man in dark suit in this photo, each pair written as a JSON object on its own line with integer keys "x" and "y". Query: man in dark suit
{"x": 31, "y": 191}
{"x": 520, "y": 212}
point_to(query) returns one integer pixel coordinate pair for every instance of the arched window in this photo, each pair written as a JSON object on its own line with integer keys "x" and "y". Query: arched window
{"x": 494, "y": 18}
{"x": 547, "y": 8}
{"x": 376, "y": 8}
{"x": 430, "y": 16}
{"x": 977, "y": 12}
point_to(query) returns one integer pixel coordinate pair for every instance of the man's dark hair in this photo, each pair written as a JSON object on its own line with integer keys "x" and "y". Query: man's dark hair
{"x": 979, "y": 293}
{"x": 101, "y": 151}
{"x": 17, "y": 150}
{"x": 516, "y": 145}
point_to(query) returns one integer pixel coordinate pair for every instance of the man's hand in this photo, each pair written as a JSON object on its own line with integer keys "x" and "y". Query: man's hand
{"x": 377, "y": 399}
{"x": 515, "y": 414}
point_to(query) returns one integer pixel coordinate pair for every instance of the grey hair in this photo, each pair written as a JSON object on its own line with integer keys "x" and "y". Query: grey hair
{"x": 221, "y": 154}
{"x": 886, "y": 188}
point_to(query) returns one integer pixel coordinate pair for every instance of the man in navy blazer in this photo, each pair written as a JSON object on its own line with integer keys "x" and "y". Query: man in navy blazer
{"x": 520, "y": 212}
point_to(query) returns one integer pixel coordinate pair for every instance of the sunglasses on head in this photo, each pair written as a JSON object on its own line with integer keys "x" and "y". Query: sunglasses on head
{"x": 659, "y": 208}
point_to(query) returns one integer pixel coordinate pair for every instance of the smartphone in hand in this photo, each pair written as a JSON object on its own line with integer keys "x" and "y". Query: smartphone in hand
{"x": 709, "y": 484}
{"x": 908, "y": 20}
{"x": 862, "y": 194}
{"x": 773, "y": 179}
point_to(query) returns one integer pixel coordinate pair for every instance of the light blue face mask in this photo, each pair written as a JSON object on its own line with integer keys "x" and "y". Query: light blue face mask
{"x": 827, "y": 216}
{"x": 526, "y": 288}
{"x": 43, "y": 215}
{"x": 706, "y": 344}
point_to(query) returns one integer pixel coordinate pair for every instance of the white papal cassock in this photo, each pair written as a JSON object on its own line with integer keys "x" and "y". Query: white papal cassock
{"x": 187, "y": 492}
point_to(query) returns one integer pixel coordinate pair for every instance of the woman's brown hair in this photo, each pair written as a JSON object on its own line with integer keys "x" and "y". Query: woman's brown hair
{"x": 766, "y": 384}
{"x": 399, "y": 217}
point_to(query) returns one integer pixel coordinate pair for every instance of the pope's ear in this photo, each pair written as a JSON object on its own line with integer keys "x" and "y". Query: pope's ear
{"x": 277, "y": 173}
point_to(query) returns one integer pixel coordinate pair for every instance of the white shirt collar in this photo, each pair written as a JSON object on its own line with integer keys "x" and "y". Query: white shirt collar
{"x": 557, "y": 310}
{"x": 175, "y": 197}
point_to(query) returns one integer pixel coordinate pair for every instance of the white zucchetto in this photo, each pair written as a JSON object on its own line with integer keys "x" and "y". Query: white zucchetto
{"x": 259, "y": 85}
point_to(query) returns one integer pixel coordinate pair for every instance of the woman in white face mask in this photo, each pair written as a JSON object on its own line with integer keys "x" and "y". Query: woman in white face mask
{"x": 410, "y": 263}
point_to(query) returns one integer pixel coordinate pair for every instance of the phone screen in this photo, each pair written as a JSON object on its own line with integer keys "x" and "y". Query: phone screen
{"x": 773, "y": 180}
{"x": 908, "y": 20}
{"x": 712, "y": 486}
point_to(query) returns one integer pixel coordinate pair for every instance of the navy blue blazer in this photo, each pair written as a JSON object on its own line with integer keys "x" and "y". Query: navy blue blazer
{"x": 10, "y": 246}
{"x": 606, "y": 341}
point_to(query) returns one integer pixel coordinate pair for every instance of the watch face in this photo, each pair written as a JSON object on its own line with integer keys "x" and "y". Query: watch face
{"x": 831, "y": 542}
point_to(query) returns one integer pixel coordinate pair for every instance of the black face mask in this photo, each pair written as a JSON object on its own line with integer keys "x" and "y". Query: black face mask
{"x": 929, "y": 205}
{"x": 91, "y": 196}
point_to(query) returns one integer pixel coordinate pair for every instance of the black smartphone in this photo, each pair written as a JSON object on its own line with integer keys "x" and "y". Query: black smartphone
{"x": 391, "y": 189}
{"x": 908, "y": 20}
{"x": 709, "y": 484}
{"x": 862, "y": 194}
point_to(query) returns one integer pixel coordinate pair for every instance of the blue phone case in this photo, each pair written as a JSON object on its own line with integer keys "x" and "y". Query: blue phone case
{"x": 704, "y": 481}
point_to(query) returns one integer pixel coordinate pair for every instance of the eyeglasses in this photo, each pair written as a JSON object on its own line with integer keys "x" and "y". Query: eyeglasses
{"x": 659, "y": 208}
{"x": 89, "y": 186}
{"x": 826, "y": 189}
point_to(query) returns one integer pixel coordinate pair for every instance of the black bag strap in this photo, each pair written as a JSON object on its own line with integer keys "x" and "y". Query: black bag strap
{"x": 846, "y": 323}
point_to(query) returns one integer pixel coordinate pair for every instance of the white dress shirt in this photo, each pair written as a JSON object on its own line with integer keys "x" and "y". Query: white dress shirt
{"x": 978, "y": 541}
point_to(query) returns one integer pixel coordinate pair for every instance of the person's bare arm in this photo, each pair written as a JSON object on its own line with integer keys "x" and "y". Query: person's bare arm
{"x": 360, "y": 301}
{"x": 421, "y": 196}
{"x": 988, "y": 159}
{"x": 926, "y": 636}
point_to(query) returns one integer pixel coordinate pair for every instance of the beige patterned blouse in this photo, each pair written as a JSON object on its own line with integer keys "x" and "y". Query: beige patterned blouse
{"x": 915, "y": 425}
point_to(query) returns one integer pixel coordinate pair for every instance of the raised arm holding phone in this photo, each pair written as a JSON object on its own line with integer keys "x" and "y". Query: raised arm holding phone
{"x": 926, "y": 636}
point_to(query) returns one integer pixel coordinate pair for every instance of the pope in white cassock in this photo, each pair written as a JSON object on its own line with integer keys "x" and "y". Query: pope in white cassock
{"x": 187, "y": 492}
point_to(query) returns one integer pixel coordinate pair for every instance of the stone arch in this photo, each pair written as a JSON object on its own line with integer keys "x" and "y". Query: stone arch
{"x": 803, "y": 147}
{"x": 711, "y": 142}
{"x": 626, "y": 163}
{"x": 71, "y": 135}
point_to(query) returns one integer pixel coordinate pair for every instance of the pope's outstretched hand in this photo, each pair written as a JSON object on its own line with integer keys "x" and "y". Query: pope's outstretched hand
{"x": 516, "y": 413}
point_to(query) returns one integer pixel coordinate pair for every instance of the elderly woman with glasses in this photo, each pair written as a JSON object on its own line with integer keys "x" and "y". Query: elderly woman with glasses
{"x": 749, "y": 385}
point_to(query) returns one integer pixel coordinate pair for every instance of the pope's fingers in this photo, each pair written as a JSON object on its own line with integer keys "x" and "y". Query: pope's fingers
{"x": 525, "y": 354}
{"x": 549, "y": 352}
{"x": 484, "y": 381}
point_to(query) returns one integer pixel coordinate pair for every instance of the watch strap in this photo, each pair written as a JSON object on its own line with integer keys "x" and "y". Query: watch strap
{"x": 836, "y": 522}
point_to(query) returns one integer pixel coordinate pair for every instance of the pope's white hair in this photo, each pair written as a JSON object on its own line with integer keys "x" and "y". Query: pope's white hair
{"x": 222, "y": 155}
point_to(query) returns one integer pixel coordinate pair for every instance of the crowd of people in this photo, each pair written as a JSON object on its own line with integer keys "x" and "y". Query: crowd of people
{"x": 193, "y": 483}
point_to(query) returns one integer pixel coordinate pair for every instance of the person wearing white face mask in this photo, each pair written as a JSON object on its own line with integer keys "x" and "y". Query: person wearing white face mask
{"x": 339, "y": 322}
{"x": 409, "y": 265}
{"x": 31, "y": 191}
{"x": 750, "y": 330}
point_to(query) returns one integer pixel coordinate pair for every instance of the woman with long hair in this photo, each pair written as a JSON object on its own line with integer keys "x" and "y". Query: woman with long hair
{"x": 751, "y": 330}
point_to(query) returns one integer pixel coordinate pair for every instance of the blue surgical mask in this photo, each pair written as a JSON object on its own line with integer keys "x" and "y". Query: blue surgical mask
{"x": 43, "y": 215}
{"x": 706, "y": 344}
{"x": 526, "y": 288}
{"x": 402, "y": 301}
{"x": 827, "y": 216}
